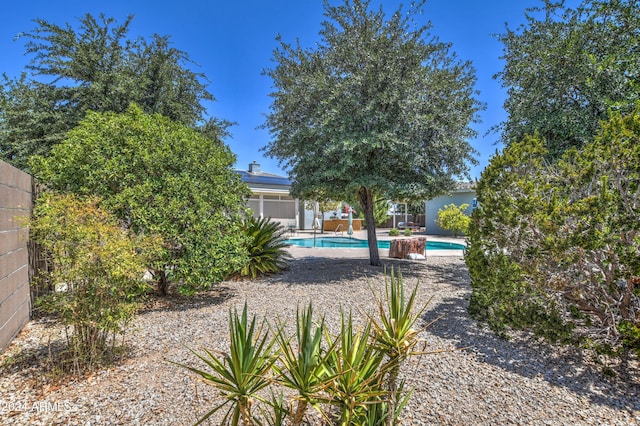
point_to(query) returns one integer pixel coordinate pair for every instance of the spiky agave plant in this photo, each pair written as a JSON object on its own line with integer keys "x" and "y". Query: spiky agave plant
{"x": 303, "y": 364}
{"x": 266, "y": 248}
{"x": 394, "y": 334}
{"x": 242, "y": 372}
{"x": 357, "y": 374}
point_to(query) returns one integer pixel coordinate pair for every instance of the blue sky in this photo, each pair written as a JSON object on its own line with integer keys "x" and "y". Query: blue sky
{"x": 232, "y": 42}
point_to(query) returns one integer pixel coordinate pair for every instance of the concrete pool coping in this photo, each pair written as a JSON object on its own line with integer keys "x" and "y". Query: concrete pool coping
{"x": 381, "y": 234}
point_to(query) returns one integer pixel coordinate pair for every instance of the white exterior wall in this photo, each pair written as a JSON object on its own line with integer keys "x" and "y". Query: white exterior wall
{"x": 264, "y": 204}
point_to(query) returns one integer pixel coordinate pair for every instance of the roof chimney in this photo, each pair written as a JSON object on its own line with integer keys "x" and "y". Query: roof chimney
{"x": 254, "y": 167}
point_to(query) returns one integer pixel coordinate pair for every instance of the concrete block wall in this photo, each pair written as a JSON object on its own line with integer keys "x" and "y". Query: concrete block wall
{"x": 15, "y": 209}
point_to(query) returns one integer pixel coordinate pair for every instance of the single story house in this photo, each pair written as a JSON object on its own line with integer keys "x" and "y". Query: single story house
{"x": 270, "y": 196}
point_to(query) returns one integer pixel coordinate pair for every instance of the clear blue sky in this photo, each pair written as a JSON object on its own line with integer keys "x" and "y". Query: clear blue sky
{"x": 233, "y": 41}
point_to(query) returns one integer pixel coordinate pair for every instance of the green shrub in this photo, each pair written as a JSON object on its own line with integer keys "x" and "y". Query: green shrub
{"x": 162, "y": 177}
{"x": 452, "y": 218}
{"x": 408, "y": 232}
{"x": 556, "y": 247}
{"x": 97, "y": 273}
{"x": 394, "y": 232}
{"x": 266, "y": 248}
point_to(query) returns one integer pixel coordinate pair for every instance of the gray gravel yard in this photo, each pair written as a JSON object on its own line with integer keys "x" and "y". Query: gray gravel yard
{"x": 488, "y": 381}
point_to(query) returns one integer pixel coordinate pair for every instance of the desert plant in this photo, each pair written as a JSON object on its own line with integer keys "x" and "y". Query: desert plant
{"x": 242, "y": 372}
{"x": 355, "y": 372}
{"x": 97, "y": 272}
{"x": 453, "y": 218}
{"x": 408, "y": 232}
{"x": 265, "y": 245}
{"x": 356, "y": 365}
{"x": 303, "y": 366}
{"x": 279, "y": 412}
{"x": 394, "y": 333}
{"x": 394, "y": 232}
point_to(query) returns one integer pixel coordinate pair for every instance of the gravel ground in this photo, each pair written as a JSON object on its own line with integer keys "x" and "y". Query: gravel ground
{"x": 486, "y": 381}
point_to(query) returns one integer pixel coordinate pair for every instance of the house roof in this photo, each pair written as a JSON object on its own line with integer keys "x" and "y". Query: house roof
{"x": 262, "y": 178}
{"x": 465, "y": 185}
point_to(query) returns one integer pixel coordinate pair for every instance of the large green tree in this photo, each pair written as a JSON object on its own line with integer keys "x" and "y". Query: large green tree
{"x": 94, "y": 67}
{"x": 566, "y": 68}
{"x": 159, "y": 177}
{"x": 379, "y": 108}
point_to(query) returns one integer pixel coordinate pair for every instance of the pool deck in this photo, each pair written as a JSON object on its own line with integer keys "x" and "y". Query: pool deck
{"x": 382, "y": 234}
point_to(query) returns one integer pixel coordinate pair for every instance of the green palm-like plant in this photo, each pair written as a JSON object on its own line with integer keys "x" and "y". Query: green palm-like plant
{"x": 394, "y": 334}
{"x": 266, "y": 248}
{"x": 243, "y": 372}
{"x": 357, "y": 374}
{"x": 304, "y": 365}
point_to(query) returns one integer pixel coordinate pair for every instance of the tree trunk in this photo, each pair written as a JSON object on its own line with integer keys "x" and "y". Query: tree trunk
{"x": 366, "y": 203}
{"x": 392, "y": 387}
{"x": 163, "y": 283}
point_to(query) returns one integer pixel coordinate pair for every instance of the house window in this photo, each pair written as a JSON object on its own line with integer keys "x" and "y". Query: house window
{"x": 281, "y": 209}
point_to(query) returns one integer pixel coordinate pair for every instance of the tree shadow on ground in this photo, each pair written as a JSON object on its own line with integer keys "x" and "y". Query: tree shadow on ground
{"x": 176, "y": 302}
{"x": 323, "y": 270}
{"x": 524, "y": 354}
{"x": 51, "y": 363}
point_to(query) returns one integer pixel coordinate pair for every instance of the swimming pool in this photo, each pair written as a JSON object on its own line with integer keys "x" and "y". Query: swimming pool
{"x": 346, "y": 242}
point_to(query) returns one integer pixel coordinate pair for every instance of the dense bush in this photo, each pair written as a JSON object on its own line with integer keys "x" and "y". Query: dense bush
{"x": 158, "y": 177}
{"x": 556, "y": 247}
{"x": 97, "y": 270}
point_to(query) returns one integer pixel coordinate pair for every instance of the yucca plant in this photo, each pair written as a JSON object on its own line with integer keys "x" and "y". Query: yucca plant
{"x": 279, "y": 411}
{"x": 394, "y": 334}
{"x": 303, "y": 365}
{"x": 356, "y": 367}
{"x": 380, "y": 413}
{"x": 266, "y": 248}
{"x": 242, "y": 372}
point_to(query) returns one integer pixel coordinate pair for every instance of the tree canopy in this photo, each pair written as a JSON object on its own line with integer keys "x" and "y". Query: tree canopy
{"x": 566, "y": 69}
{"x": 94, "y": 67}
{"x": 378, "y": 108}
{"x": 159, "y": 177}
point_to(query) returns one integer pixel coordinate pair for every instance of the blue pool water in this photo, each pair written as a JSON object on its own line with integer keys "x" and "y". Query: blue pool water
{"x": 346, "y": 242}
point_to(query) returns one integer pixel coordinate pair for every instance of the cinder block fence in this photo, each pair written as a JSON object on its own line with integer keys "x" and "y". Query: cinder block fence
{"x": 15, "y": 209}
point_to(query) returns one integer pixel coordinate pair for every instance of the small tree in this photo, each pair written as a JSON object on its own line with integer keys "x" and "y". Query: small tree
{"x": 379, "y": 109}
{"x": 163, "y": 178}
{"x": 97, "y": 272}
{"x": 452, "y": 218}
